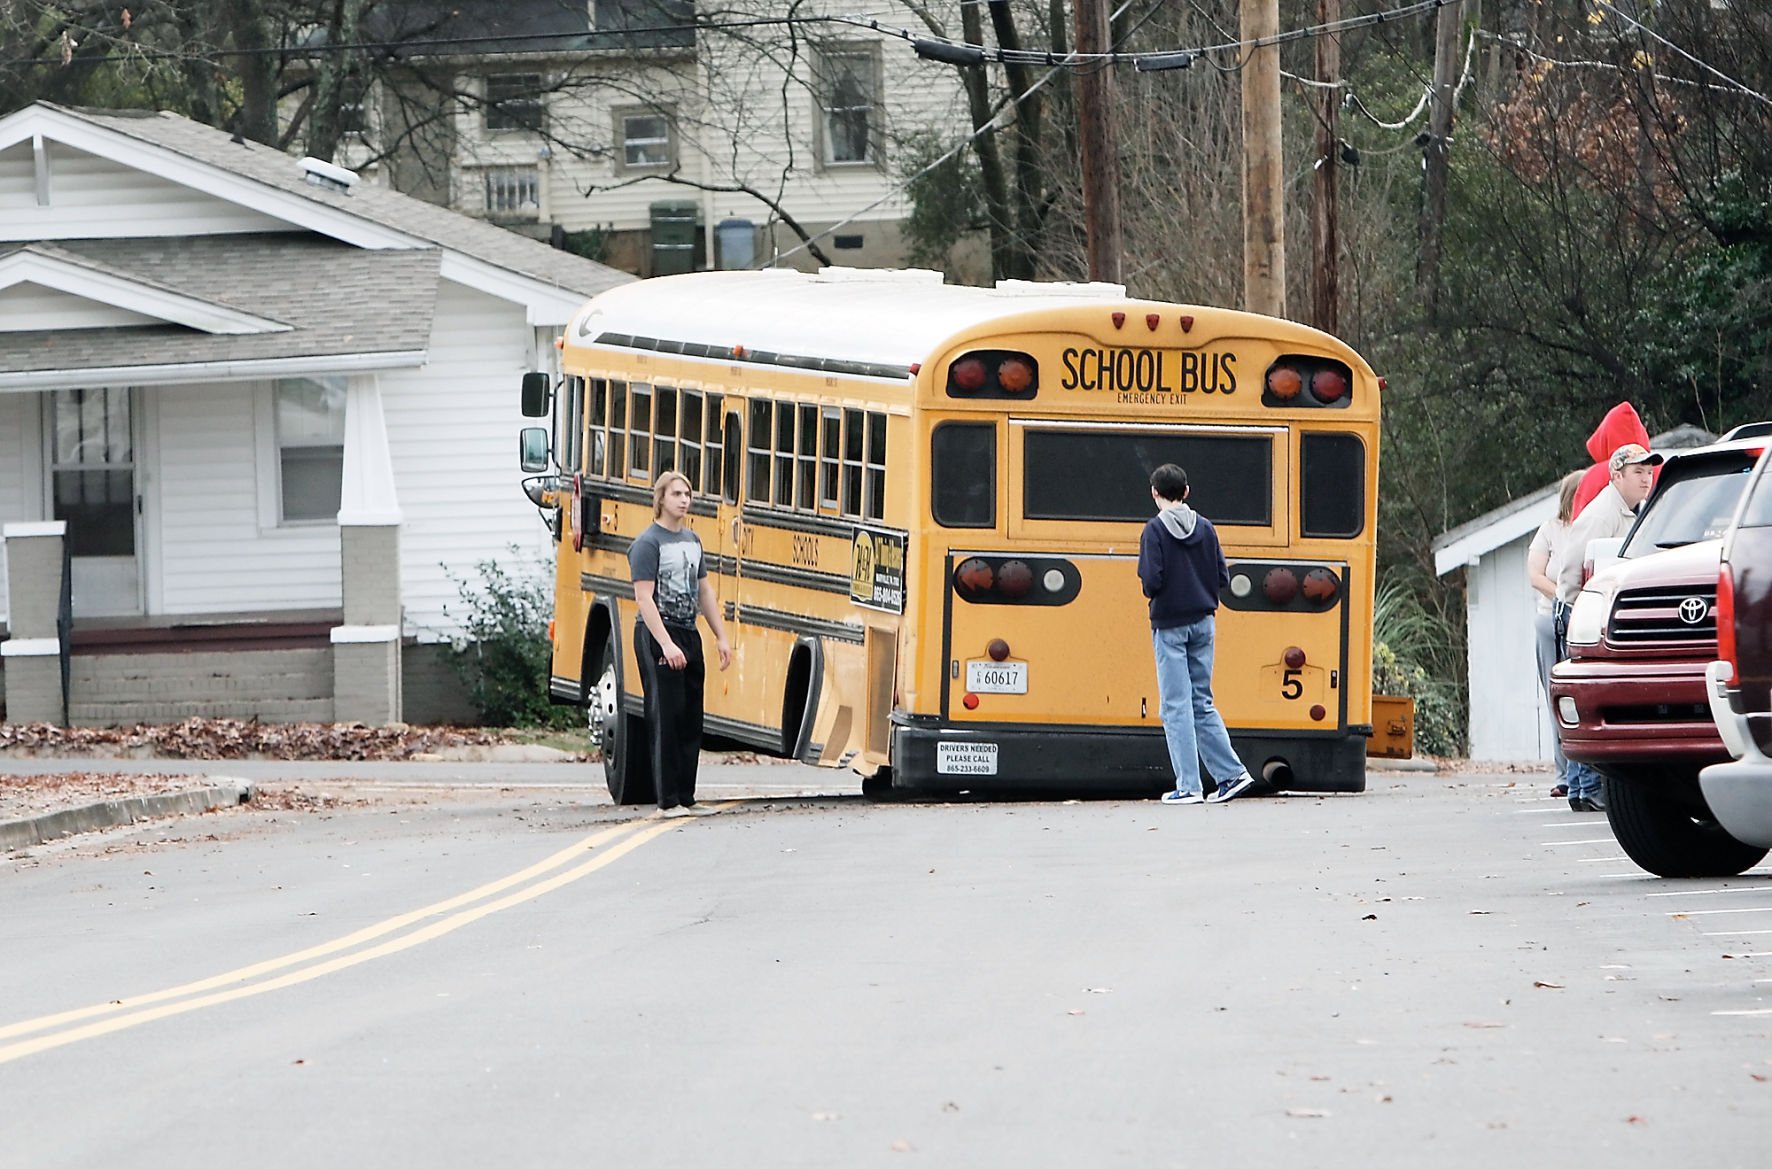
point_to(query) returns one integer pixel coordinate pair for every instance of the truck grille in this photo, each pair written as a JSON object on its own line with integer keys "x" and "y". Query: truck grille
{"x": 1661, "y": 615}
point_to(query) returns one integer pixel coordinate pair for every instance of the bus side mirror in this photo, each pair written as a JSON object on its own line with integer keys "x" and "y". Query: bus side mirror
{"x": 532, "y": 449}
{"x": 536, "y": 390}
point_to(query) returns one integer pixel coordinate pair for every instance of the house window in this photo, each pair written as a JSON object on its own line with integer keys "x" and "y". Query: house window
{"x": 310, "y": 420}
{"x": 849, "y": 100}
{"x": 645, "y": 139}
{"x": 513, "y": 192}
{"x": 514, "y": 102}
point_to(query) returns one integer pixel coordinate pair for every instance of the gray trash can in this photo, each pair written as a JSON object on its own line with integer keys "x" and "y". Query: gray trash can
{"x": 737, "y": 242}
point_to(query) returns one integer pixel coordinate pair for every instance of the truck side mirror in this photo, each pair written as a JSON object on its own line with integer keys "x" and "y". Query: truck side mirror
{"x": 537, "y": 389}
{"x": 532, "y": 449}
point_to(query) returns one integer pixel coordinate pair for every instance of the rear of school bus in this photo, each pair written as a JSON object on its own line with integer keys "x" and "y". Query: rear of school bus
{"x": 1028, "y": 659}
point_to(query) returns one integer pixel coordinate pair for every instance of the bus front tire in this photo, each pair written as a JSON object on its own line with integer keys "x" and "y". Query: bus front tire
{"x": 627, "y": 765}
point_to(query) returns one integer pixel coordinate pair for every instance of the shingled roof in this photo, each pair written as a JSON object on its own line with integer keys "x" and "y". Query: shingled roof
{"x": 420, "y": 221}
{"x": 319, "y": 298}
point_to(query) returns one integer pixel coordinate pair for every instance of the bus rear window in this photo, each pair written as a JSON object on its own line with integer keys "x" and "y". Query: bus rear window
{"x": 963, "y": 474}
{"x": 1332, "y": 487}
{"x": 1106, "y": 474}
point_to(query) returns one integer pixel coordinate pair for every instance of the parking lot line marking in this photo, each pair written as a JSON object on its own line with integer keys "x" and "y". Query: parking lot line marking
{"x": 1736, "y": 933}
{"x": 1712, "y": 912}
{"x": 348, "y": 941}
{"x": 1595, "y": 840}
{"x": 1708, "y": 892}
{"x": 1762, "y": 1011}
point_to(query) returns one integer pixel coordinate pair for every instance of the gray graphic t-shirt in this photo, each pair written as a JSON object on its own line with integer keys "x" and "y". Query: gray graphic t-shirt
{"x": 673, "y": 560}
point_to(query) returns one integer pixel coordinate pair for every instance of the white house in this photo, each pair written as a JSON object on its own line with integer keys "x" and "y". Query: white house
{"x": 263, "y": 409}
{"x": 1510, "y": 720}
{"x": 588, "y": 117}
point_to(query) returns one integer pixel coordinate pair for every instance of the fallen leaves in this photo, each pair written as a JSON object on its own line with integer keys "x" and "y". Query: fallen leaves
{"x": 229, "y": 738}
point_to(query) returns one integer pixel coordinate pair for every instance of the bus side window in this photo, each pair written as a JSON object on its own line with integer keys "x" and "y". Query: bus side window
{"x": 692, "y": 438}
{"x": 963, "y": 475}
{"x": 852, "y": 439}
{"x": 664, "y": 450}
{"x": 829, "y": 454}
{"x": 716, "y": 449}
{"x": 784, "y": 454}
{"x": 731, "y": 446}
{"x": 757, "y": 465}
{"x": 618, "y": 427}
{"x": 876, "y": 481}
{"x": 640, "y": 433}
{"x": 806, "y": 480}
{"x": 599, "y": 420}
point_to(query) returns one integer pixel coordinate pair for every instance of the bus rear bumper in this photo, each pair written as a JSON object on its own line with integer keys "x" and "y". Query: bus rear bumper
{"x": 1000, "y": 759}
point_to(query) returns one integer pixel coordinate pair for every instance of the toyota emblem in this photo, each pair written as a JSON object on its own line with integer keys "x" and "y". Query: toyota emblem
{"x": 1693, "y": 610}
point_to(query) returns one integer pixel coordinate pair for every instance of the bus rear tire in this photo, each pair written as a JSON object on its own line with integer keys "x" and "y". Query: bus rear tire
{"x": 627, "y": 764}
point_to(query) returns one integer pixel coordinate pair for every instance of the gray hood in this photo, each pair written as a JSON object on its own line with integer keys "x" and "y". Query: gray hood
{"x": 1180, "y": 520}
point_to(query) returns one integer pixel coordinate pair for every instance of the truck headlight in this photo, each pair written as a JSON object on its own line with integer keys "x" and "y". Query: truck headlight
{"x": 1587, "y": 620}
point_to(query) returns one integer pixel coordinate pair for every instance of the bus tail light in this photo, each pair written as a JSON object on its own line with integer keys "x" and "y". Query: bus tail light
{"x": 994, "y": 373}
{"x": 1266, "y": 586}
{"x": 1016, "y": 580}
{"x": 1330, "y": 383}
{"x": 1293, "y": 657}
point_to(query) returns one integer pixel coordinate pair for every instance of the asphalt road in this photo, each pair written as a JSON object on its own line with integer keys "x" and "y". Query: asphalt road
{"x": 1443, "y": 970}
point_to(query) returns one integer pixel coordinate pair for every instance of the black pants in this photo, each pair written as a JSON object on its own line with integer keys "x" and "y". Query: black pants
{"x": 673, "y": 711}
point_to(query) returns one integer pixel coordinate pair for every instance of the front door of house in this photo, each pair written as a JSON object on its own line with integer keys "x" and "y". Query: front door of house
{"x": 92, "y": 484}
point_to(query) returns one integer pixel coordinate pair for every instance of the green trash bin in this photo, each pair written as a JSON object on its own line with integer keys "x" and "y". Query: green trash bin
{"x": 675, "y": 232}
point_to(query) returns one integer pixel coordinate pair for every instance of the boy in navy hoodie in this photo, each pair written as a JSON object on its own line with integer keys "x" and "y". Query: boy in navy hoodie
{"x": 1182, "y": 569}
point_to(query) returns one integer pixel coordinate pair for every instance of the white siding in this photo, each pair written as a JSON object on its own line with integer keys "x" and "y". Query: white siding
{"x": 97, "y": 197}
{"x": 21, "y": 493}
{"x": 216, "y": 556}
{"x": 1509, "y": 719}
{"x": 27, "y": 306}
{"x": 452, "y": 436}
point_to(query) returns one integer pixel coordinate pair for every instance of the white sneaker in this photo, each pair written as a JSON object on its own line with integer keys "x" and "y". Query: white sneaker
{"x": 1181, "y": 797}
{"x": 1230, "y": 789}
{"x": 677, "y": 812}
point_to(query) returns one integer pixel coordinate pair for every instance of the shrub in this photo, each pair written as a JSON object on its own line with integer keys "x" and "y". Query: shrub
{"x": 1406, "y": 643}
{"x": 504, "y": 656}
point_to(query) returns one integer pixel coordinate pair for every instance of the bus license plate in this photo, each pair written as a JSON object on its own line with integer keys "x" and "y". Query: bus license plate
{"x": 997, "y": 677}
{"x": 965, "y": 758}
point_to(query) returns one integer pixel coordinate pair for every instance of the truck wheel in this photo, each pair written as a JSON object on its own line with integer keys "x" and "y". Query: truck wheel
{"x": 1664, "y": 826}
{"x": 627, "y": 764}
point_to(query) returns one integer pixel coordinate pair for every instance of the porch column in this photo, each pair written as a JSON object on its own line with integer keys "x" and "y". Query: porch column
{"x": 366, "y": 674}
{"x": 33, "y": 654}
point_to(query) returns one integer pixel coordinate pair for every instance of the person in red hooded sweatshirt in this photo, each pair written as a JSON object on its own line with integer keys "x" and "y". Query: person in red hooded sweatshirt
{"x": 1619, "y": 427}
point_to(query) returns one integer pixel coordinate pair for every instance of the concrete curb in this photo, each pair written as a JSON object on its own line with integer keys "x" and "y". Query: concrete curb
{"x": 31, "y": 830}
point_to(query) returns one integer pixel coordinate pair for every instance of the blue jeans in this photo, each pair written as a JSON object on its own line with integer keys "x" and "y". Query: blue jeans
{"x": 1191, "y": 723}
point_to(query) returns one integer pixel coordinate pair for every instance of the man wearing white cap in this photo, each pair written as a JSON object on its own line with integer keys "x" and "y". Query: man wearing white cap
{"x": 1613, "y": 510}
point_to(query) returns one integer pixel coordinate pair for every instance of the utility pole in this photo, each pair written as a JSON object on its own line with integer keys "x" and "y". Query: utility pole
{"x": 1097, "y": 146}
{"x": 1264, "y": 233}
{"x": 1325, "y": 246}
{"x": 1435, "y": 162}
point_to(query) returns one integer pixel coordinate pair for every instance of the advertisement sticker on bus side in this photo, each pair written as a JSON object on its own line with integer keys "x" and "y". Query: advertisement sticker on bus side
{"x": 876, "y": 570}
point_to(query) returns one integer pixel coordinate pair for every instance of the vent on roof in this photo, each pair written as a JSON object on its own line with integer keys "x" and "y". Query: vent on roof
{"x": 324, "y": 174}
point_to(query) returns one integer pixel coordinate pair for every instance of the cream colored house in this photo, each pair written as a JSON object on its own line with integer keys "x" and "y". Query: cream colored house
{"x": 631, "y": 119}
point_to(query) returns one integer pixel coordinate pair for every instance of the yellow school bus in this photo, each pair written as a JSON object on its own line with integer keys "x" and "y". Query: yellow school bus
{"x": 921, "y": 507}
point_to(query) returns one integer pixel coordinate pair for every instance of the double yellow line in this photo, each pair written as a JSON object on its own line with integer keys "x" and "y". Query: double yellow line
{"x": 59, "y": 1030}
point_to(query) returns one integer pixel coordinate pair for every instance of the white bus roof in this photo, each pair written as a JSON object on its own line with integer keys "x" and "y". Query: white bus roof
{"x": 878, "y": 316}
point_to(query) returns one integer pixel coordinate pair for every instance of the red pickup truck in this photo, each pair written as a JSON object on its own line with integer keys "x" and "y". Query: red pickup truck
{"x": 1631, "y": 700}
{"x": 1740, "y": 681}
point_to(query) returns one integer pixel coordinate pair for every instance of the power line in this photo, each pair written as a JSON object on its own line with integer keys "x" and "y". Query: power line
{"x": 1706, "y": 66}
